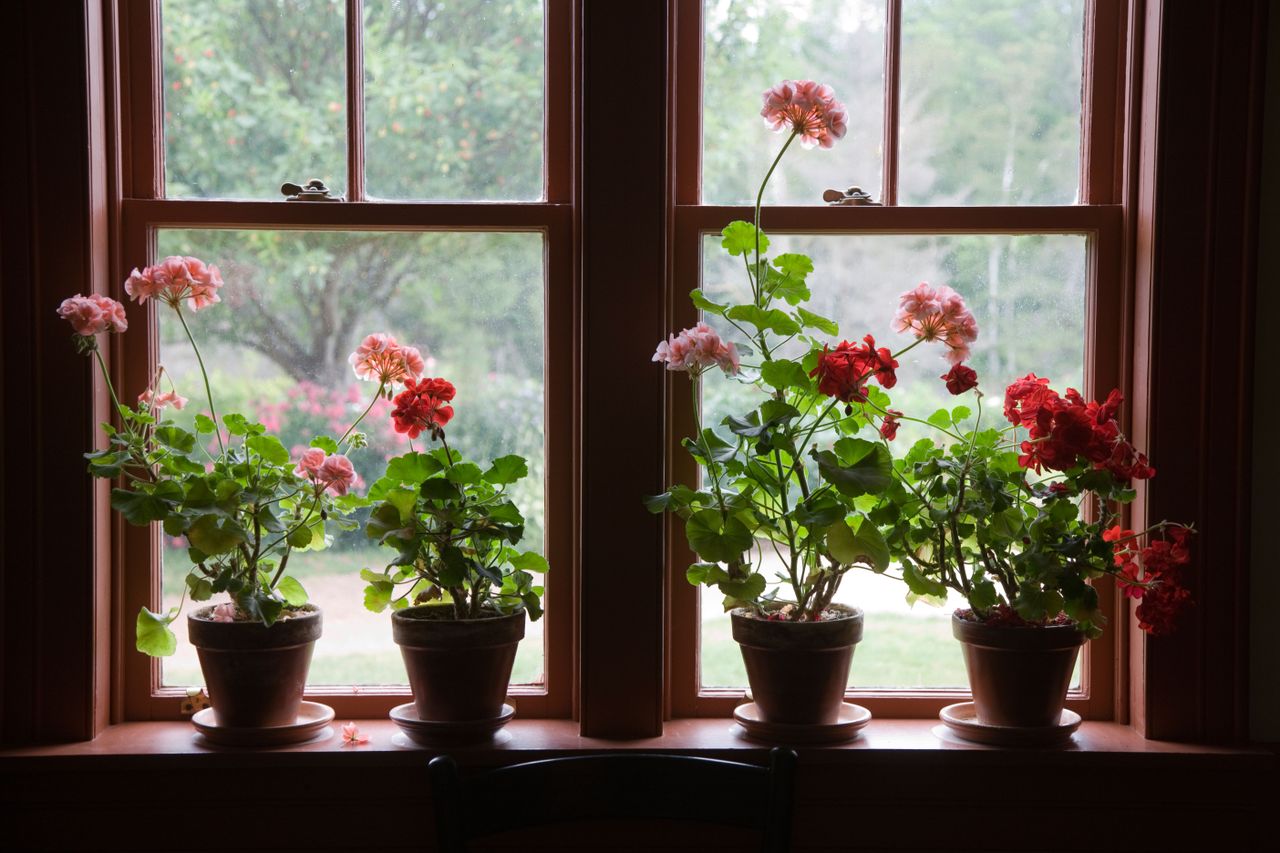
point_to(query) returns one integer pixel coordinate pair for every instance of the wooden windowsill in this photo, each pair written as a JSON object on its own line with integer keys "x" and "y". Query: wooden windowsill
{"x": 916, "y": 741}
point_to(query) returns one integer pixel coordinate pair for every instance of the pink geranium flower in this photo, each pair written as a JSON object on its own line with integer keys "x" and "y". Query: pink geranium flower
{"x": 937, "y": 315}
{"x": 380, "y": 357}
{"x": 174, "y": 279}
{"x": 158, "y": 401}
{"x": 309, "y": 464}
{"x": 337, "y": 474}
{"x": 92, "y": 314}
{"x": 808, "y": 109}
{"x": 352, "y": 735}
{"x": 697, "y": 349}
{"x": 225, "y": 612}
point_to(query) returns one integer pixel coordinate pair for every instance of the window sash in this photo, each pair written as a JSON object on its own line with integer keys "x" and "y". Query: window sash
{"x": 1106, "y": 354}
{"x": 143, "y": 210}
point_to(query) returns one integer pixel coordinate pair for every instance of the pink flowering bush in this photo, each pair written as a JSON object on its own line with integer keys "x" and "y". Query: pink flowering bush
{"x": 240, "y": 499}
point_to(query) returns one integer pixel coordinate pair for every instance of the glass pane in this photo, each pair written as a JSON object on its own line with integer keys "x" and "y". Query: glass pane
{"x": 990, "y": 101}
{"x": 254, "y": 95}
{"x": 294, "y": 305}
{"x": 1028, "y": 293}
{"x": 752, "y": 45}
{"x": 454, "y": 99}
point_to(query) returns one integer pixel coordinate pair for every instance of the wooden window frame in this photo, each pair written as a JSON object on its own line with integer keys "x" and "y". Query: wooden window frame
{"x": 143, "y": 211}
{"x": 1098, "y": 216}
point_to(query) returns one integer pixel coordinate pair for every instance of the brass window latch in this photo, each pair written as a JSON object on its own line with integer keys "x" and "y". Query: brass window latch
{"x": 315, "y": 190}
{"x": 849, "y": 197}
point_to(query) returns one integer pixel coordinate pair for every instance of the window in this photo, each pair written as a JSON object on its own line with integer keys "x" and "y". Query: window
{"x": 434, "y": 125}
{"x": 970, "y": 128}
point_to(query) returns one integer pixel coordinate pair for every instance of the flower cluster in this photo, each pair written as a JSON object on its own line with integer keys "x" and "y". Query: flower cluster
{"x": 808, "y": 109}
{"x": 696, "y": 349}
{"x": 423, "y": 406}
{"x": 333, "y": 472}
{"x": 937, "y": 315}
{"x": 174, "y": 279}
{"x": 1065, "y": 428}
{"x": 843, "y": 372}
{"x": 1150, "y": 574}
{"x": 92, "y": 314}
{"x": 380, "y": 357}
{"x": 157, "y": 400}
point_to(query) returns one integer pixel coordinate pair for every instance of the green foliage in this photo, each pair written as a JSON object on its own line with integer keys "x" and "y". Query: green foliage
{"x": 451, "y": 528}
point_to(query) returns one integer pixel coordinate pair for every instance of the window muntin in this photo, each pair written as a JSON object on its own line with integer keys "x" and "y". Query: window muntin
{"x": 254, "y": 95}
{"x": 1029, "y": 292}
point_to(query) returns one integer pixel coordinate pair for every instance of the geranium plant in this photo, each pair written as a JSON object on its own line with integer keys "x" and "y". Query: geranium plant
{"x": 791, "y": 476}
{"x": 1020, "y": 516}
{"x": 450, "y": 523}
{"x": 226, "y": 486}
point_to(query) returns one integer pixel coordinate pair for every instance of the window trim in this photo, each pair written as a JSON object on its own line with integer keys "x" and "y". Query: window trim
{"x": 1103, "y": 695}
{"x": 141, "y": 209}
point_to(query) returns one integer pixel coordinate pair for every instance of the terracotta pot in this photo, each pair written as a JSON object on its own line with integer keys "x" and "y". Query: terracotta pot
{"x": 1019, "y": 676}
{"x": 255, "y": 675}
{"x": 459, "y": 669}
{"x": 798, "y": 670}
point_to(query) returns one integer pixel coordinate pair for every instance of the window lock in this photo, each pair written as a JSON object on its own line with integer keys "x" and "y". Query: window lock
{"x": 849, "y": 197}
{"x": 315, "y": 190}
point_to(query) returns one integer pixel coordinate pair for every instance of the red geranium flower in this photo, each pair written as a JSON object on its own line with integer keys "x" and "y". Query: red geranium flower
{"x": 422, "y": 406}
{"x": 889, "y": 426}
{"x": 960, "y": 378}
{"x": 843, "y": 372}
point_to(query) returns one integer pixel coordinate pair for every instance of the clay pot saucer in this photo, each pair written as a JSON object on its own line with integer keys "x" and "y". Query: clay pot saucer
{"x": 962, "y": 720}
{"x": 435, "y": 733}
{"x": 850, "y": 721}
{"x": 313, "y": 720}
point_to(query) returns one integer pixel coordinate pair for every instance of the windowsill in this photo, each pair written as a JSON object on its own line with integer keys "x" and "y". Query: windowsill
{"x": 911, "y": 740}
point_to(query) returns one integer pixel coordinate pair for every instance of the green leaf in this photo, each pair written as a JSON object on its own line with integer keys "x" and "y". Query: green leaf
{"x": 507, "y": 469}
{"x": 785, "y": 373}
{"x": 464, "y": 473}
{"x": 819, "y": 511}
{"x": 153, "y": 635}
{"x": 177, "y": 438}
{"x": 716, "y": 539}
{"x": 921, "y": 585}
{"x": 941, "y": 419}
{"x": 200, "y": 588}
{"x": 747, "y": 590}
{"x": 703, "y": 303}
{"x": 857, "y": 467}
{"x": 377, "y": 595}
{"x": 292, "y": 591}
{"x": 960, "y": 413}
{"x": 863, "y": 545}
{"x": 793, "y": 264}
{"x": 236, "y": 424}
{"x": 439, "y": 489}
{"x": 300, "y": 536}
{"x": 705, "y": 573}
{"x": 773, "y": 319}
{"x": 817, "y": 321}
{"x": 205, "y": 425}
{"x": 412, "y": 467}
{"x": 325, "y": 443}
{"x": 983, "y": 595}
{"x": 214, "y": 535}
{"x": 530, "y": 561}
{"x": 740, "y": 238}
{"x": 269, "y": 448}
{"x": 139, "y": 508}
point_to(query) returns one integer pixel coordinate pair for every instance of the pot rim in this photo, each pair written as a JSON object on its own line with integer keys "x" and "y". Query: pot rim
{"x": 1016, "y": 636}
{"x": 210, "y": 635}
{"x": 807, "y": 636}
{"x": 410, "y": 632}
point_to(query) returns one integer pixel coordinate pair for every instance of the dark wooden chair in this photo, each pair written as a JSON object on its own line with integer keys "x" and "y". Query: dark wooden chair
{"x": 615, "y": 786}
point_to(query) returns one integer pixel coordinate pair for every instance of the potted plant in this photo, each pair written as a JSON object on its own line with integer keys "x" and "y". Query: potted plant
{"x": 237, "y": 498}
{"x": 1020, "y": 517}
{"x": 458, "y": 587}
{"x": 787, "y": 480}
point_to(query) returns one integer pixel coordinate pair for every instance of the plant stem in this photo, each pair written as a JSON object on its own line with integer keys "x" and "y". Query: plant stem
{"x": 106, "y": 377}
{"x": 377, "y": 396}
{"x": 204, "y": 374}
{"x": 758, "y": 287}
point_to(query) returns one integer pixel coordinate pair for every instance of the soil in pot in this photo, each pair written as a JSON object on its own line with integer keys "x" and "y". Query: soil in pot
{"x": 255, "y": 674}
{"x": 798, "y": 670}
{"x": 459, "y": 669}
{"x": 1019, "y": 674}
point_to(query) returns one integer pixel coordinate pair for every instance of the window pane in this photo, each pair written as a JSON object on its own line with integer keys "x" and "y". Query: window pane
{"x": 753, "y": 44}
{"x": 254, "y": 95}
{"x": 1028, "y": 294}
{"x": 454, "y": 99}
{"x": 294, "y": 305}
{"x": 990, "y": 101}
